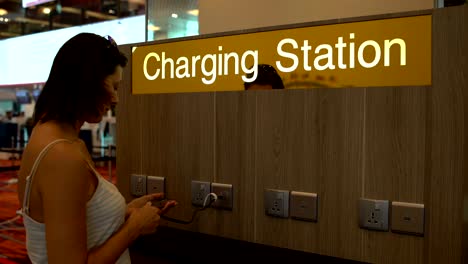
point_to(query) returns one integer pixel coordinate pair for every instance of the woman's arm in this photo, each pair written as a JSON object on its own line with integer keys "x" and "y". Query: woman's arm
{"x": 64, "y": 182}
{"x": 142, "y": 221}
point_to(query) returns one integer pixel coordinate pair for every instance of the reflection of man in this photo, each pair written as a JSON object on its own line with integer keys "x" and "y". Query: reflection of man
{"x": 267, "y": 78}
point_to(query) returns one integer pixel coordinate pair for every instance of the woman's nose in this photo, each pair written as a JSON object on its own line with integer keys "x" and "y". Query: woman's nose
{"x": 114, "y": 99}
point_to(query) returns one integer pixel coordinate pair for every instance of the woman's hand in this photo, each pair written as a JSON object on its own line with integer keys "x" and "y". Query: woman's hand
{"x": 141, "y": 201}
{"x": 144, "y": 220}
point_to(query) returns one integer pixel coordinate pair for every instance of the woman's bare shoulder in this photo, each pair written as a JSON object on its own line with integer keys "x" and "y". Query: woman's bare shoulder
{"x": 58, "y": 148}
{"x": 63, "y": 165}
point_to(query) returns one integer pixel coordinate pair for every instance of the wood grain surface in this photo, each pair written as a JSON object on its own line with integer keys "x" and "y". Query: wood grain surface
{"x": 406, "y": 144}
{"x": 444, "y": 193}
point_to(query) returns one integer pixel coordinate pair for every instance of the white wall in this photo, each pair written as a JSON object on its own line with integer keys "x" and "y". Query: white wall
{"x": 28, "y": 59}
{"x": 226, "y": 15}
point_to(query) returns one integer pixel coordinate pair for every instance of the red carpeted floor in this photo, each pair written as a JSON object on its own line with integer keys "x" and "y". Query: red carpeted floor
{"x": 12, "y": 235}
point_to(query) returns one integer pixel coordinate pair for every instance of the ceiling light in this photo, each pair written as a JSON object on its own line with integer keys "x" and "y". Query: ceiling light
{"x": 1, "y": 19}
{"x": 46, "y": 10}
{"x": 152, "y": 27}
{"x": 111, "y": 11}
{"x": 3, "y": 12}
{"x": 193, "y": 12}
{"x": 6, "y": 19}
{"x": 174, "y": 15}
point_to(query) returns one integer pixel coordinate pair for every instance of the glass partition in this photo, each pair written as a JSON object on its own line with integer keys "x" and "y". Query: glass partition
{"x": 172, "y": 19}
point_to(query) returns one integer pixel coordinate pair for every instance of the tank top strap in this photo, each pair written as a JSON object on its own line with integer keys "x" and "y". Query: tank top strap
{"x": 29, "y": 178}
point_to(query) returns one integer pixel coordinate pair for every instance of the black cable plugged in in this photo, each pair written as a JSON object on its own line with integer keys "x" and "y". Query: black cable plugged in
{"x": 205, "y": 205}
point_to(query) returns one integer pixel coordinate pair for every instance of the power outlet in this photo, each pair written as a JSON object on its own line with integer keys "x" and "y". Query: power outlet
{"x": 155, "y": 184}
{"x": 304, "y": 206}
{"x": 276, "y": 203}
{"x": 373, "y": 214}
{"x": 225, "y": 196}
{"x": 138, "y": 184}
{"x": 408, "y": 218}
{"x": 200, "y": 190}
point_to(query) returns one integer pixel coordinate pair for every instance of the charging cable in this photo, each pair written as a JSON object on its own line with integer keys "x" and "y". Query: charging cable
{"x": 209, "y": 199}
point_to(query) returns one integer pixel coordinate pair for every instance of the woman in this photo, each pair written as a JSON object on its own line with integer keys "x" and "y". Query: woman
{"x": 71, "y": 214}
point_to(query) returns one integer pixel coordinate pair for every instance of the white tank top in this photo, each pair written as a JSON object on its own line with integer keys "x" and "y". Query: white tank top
{"x": 105, "y": 213}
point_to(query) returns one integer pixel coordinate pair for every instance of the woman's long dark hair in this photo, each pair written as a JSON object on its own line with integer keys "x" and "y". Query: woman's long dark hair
{"x": 74, "y": 89}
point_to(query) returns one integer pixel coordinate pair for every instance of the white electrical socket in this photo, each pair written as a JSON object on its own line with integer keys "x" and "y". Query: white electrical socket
{"x": 304, "y": 206}
{"x": 408, "y": 218}
{"x": 276, "y": 203}
{"x": 225, "y": 195}
{"x": 155, "y": 184}
{"x": 200, "y": 190}
{"x": 373, "y": 214}
{"x": 138, "y": 184}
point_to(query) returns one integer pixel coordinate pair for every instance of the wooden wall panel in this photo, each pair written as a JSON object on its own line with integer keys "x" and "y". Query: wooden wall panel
{"x": 404, "y": 144}
{"x": 445, "y": 192}
{"x": 341, "y": 155}
{"x": 280, "y": 116}
{"x": 235, "y": 162}
{"x": 394, "y": 164}
{"x": 128, "y": 126}
{"x": 310, "y": 141}
{"x": 304, "y": 174}
{"x": 177, "y": 143}
{"x": 462, "y": 32}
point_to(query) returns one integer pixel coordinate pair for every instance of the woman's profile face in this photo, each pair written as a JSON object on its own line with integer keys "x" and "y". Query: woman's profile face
{"x": 111, "y": 84}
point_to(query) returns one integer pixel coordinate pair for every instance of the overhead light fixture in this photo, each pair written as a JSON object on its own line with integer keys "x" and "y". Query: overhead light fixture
{"x": 6, "y": 19}
{"x": 174, "y": 15}
{"x": 193, "y": 12}
{"x": 1, "y": 19}
{"x": 3, "y": 12}
{"x": 46, "y": 10}
{"x": 152, "y": 27}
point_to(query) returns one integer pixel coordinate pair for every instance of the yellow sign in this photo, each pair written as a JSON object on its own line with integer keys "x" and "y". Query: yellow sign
{"x": 388, "y": 52}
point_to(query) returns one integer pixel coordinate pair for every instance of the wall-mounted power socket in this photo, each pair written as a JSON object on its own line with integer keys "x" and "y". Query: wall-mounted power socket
{"x": 408, "y": 218}
{"x": 138, "y": 184}
{"x": 304, "y": 206}
{"x": 225, "y": 195}
{"x": 373, "y": 214}
{"x": 200, "y": 190}
{"x": 276, "y": 203}
{"x": 155, "y": 184}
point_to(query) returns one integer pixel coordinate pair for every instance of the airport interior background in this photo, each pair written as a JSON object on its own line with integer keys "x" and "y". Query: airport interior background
{"x": 31, "y": 31}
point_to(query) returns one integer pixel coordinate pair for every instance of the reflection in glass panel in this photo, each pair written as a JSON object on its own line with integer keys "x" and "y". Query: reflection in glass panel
{"x": 23, "y": 17}
{"x": 172, "y": 19}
